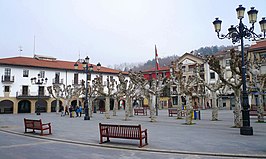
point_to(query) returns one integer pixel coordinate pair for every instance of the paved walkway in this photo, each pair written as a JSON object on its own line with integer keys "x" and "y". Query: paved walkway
{"x": 166, "y": 135}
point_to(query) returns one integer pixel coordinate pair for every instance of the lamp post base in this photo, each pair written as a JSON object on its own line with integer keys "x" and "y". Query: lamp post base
{"x": 86, "y": 118}
{"x": 246, "y": 130}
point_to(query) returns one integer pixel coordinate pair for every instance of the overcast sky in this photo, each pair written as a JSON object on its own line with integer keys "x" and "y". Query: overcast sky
{"x": 115, "y": 31}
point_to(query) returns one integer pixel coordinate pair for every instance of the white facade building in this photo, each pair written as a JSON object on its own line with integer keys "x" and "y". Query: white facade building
{"x": 19, "y": 95}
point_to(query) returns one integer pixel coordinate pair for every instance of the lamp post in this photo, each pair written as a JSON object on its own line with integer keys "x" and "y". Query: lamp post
{"x": 38, "y": 81}
{"x": 237, "y": 34}
{"x": 87, "y": 69}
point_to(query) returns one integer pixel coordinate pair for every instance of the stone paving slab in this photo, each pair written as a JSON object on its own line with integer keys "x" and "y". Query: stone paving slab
{"x": 167, "y": 134}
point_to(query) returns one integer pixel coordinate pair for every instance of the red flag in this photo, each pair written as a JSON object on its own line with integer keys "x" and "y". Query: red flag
{"x": 156, "y": 59}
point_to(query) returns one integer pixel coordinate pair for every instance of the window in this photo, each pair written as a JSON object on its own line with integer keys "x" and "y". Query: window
{"x": 42, "y": 74}
{"x": 163, "y": 74}
{"x": 227, "y": 62}
{"x": 57, "y": 77}
{"x": 25, "y": 90}
{"x": 8, "y": 72}
{"x": 175, "y": 100}
{"x": 212, "y": 75}
{"x": 76, "y": 78}
{"x": 41, "y": 91}
{"x": 25, "y": 73}
{"x": 7, "y": 88}
{"x": 191, "y": 68}
{"x": 202, "y": 68}
{"x": 183, "y": 68}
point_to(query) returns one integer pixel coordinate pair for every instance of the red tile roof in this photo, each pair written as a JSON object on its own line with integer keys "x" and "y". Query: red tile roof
{"x": 260, "y": 45}
{"x": 52, "y": 64}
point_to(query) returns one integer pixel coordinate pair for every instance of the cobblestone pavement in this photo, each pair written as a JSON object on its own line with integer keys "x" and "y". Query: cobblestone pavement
{"x": 167, "y": 135}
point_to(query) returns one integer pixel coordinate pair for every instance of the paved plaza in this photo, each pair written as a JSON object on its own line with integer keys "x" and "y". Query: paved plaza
{"x": 168, "y": 135}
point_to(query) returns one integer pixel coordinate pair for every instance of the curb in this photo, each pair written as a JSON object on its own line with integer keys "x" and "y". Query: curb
{"x": 136, "y": 149}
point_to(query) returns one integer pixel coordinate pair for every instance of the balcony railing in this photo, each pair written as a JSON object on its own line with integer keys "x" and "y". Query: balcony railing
{"x": 58, "y": 81}
{"x": 76, "y": 82}
{"x": 32, "y": 95}
{"x": 8, "y": 78}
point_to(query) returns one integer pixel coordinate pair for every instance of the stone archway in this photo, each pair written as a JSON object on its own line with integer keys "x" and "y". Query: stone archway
{"x": 53, "y": 105}
{"x": 6, "y": 107}
{"x": 42, "y": 106}
{"x": 101, "y": 105}
{"x": 74, "y": 103}
{"x": 112, "y": 103}
{"x": 24, "y": 106}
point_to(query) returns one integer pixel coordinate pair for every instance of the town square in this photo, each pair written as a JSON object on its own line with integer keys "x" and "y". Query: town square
{"x": 104, "y": 102}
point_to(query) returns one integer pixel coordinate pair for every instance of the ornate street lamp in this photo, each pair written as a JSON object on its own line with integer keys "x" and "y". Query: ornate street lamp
{"x": 38, "y": 81}
{"x": 237, "y": 34}
{"x": 87, "y": 69}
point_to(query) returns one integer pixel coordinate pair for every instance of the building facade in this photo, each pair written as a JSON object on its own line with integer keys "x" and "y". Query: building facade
{"x": 19, "y": 93}
{"x": 164, "y": 72}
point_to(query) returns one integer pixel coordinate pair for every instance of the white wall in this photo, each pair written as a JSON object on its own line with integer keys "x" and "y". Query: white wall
{"x": 19, "y": 80}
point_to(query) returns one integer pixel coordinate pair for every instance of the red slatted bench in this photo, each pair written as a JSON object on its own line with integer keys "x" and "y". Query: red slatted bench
{"x": 255, "y": 113}
{"x": 37, "y": 125}
{"x": 124, "y": 132}
{"x": 141, "y": 111}
{"x": 172, "y": 111}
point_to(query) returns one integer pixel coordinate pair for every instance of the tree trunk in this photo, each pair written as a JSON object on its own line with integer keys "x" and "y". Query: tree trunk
{"x": 58, "y": 105}
{"x": 151, "y": 105}
{"x": 115, "y": 107}
{"x": 260, "y": 109}
{"x": 214, "y": 107}
{"x": 127, "y": 108}
{"x": 189, "y": 110}
{"x": 130, "y": 108}
{"x": 179, "y": 107}
{"x": 90, "y": 107}
{"x": 237, "y": 110}
{"x": 107, "y": 107}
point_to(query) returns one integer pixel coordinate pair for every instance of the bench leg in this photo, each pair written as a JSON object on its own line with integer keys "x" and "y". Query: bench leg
{"x": 146, "y": 139}
{"x": 101, "y": 139}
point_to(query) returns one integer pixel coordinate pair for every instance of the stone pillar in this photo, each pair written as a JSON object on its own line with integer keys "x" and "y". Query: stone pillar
{"x": 49, "y": 106}
{"x": 32, "y": 108}
{"x": 15, "y": 106}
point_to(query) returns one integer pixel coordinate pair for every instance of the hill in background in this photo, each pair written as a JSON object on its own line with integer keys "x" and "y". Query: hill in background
{"x": 166, "y": 61}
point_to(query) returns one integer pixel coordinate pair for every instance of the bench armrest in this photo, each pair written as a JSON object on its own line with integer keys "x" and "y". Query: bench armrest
{"x": 47, "y": 124}
{"x": 144, "y": 131}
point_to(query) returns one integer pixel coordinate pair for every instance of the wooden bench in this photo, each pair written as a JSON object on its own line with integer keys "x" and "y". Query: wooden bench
{"x": 183, "y": 113}
{"x": 124, "y": 132}
{"x": 37, "y": 125}
{"x": 138, "y": 111}
{"x": 255, "y": 113}
{"x": 172, "y": 111}
{"x": 102, "y": 110}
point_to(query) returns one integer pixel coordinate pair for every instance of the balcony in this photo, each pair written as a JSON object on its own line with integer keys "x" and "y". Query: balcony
{"x": 58, "y": 81}
{"x": 32, "y": 95}
{"x": 8, "y": 79}
{"x": 77, "y": 82}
